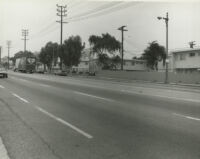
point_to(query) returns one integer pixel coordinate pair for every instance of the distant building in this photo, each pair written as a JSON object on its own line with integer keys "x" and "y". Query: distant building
{"x": 162, "y": 66}
{"x": 83, "y": 66}
{"x": 89, "y": 63}
{"x": 182, "y": 60}
{"x": 186, "y": 60}
{"x": 134, "y": 65}
{"x": 4, "y": 60}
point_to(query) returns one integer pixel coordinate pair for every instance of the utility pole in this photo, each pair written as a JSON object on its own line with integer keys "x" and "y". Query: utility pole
{"x": 0, "y": 54}
{"x": 24, "y": 34}
{"x": 166, "y": 19}
{"x": 53, "y": 59}
{"x": 8, "y": 46}
{"x": 122, "y": 28}
{"x": 61, "y": 12}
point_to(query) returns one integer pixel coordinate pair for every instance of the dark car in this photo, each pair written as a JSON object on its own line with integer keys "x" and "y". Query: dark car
{"x": 60, "y": 73}
{"x": 3, "y": 72}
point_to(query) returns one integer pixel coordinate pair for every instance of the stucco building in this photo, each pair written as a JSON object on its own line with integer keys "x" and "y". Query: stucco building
{"x": 186, "y": 60}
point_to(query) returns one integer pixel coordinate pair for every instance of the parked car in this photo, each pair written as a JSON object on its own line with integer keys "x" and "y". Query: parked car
{"x": 60, "y": 72}
{"x": 3, "y": 72}
{"x": 91, "y": 73}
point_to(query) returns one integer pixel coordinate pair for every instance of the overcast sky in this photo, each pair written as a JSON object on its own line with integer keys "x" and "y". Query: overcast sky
{"x": 96, "y": 17}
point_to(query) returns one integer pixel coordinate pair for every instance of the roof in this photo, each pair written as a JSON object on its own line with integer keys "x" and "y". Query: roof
{"x": 185, "y": 50}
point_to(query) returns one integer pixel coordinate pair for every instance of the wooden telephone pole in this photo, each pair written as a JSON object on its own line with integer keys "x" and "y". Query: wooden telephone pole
{"x": 122, "y": 28}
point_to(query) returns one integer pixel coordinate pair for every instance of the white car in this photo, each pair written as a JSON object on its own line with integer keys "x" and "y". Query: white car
{"x": 3, "y": 72}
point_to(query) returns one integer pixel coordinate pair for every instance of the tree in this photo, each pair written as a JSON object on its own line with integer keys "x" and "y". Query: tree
{"x": 71, "y": 52}
{"x": 104, "y": 45}
{"x": 154, "y": 53}
{"x": 48, "y": 54}
{"x": 115, "y": 61}
{"x": 104, "y": 60}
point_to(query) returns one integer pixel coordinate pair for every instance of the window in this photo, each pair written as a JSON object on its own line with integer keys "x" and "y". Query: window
{"x": 176, "y": 57}
{"x": 133, "y": 63}
{"x": 192, "y": 54}
{"x": 182, "y": 56}
{"x": 86, "y": 63}
{"x": 141, "y": 62}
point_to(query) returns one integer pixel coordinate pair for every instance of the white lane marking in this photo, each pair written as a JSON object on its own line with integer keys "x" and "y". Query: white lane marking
{"x": 188, "y": 117}
{"x": 65, "y": 123}
{"x": 89, "y": 95}
{"x": 44, "y": 85}
{"x": 3, "y": 151}
{"x": 22, "y": 99}
{"x": 176, "y": 98}
{"x": 23, "y": 80}
{"x": 2, "y": 86}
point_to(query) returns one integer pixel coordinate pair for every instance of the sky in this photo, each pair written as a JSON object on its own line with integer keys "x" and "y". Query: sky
{"x": 87, "y": 18}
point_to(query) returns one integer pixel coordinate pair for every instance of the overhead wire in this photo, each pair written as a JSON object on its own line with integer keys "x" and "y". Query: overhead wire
{"x": 98, "y": 11}
{"x": 52, "y": 24}
{"x": 94, "y": 10}
{"x": 105, "y": 11}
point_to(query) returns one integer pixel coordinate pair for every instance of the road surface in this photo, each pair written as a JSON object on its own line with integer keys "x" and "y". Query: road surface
{"x": 45, "y": 116}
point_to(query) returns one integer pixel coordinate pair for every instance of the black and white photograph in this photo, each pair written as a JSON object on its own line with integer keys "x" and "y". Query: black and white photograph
{"x": 99, "y": 79}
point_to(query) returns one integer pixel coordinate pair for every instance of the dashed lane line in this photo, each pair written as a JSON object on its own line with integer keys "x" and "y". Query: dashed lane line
{"x": 65, "y": 123}
{"x": 93, "y": 96}
{"x": 188, "y": 117}
{"x": 3, "y": 151}
{"x": 23, "y": 80}
{"x": 45, "y": 85}
{"x": 22, "y": 99}
{"x": 2, "y": 86}
{"x": 56, "y": 118}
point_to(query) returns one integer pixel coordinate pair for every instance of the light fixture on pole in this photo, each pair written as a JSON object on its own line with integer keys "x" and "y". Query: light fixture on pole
{"x": 167, "y": 60}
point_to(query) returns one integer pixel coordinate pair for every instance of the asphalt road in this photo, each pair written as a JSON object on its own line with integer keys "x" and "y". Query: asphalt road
{"x": 44, "y": 116}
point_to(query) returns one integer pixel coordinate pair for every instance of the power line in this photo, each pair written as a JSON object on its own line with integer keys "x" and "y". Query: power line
{"x": 48, "y": 29}
{"x": 99, "y": 11}
{"x": 105, "y": 11}
{"x": 95, "y": 10}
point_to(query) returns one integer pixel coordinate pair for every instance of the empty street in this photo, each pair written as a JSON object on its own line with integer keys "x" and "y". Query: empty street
{"x": 47, "y": 116}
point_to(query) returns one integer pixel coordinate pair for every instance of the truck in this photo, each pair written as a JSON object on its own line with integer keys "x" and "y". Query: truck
{"x": 39, "y": 68}
{"x": 25, "y": 64}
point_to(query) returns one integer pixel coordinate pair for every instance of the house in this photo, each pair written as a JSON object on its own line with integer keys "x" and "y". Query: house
{"x": 162, "y": 66}
{"x": 83, "y": 66}
{"x": 182, "y": 61}
{"x": 186, "y": 60}
{"x": 134, "y": 65}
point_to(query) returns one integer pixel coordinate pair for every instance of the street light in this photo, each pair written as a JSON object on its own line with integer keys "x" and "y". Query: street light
{"x": 167, "y": 61}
